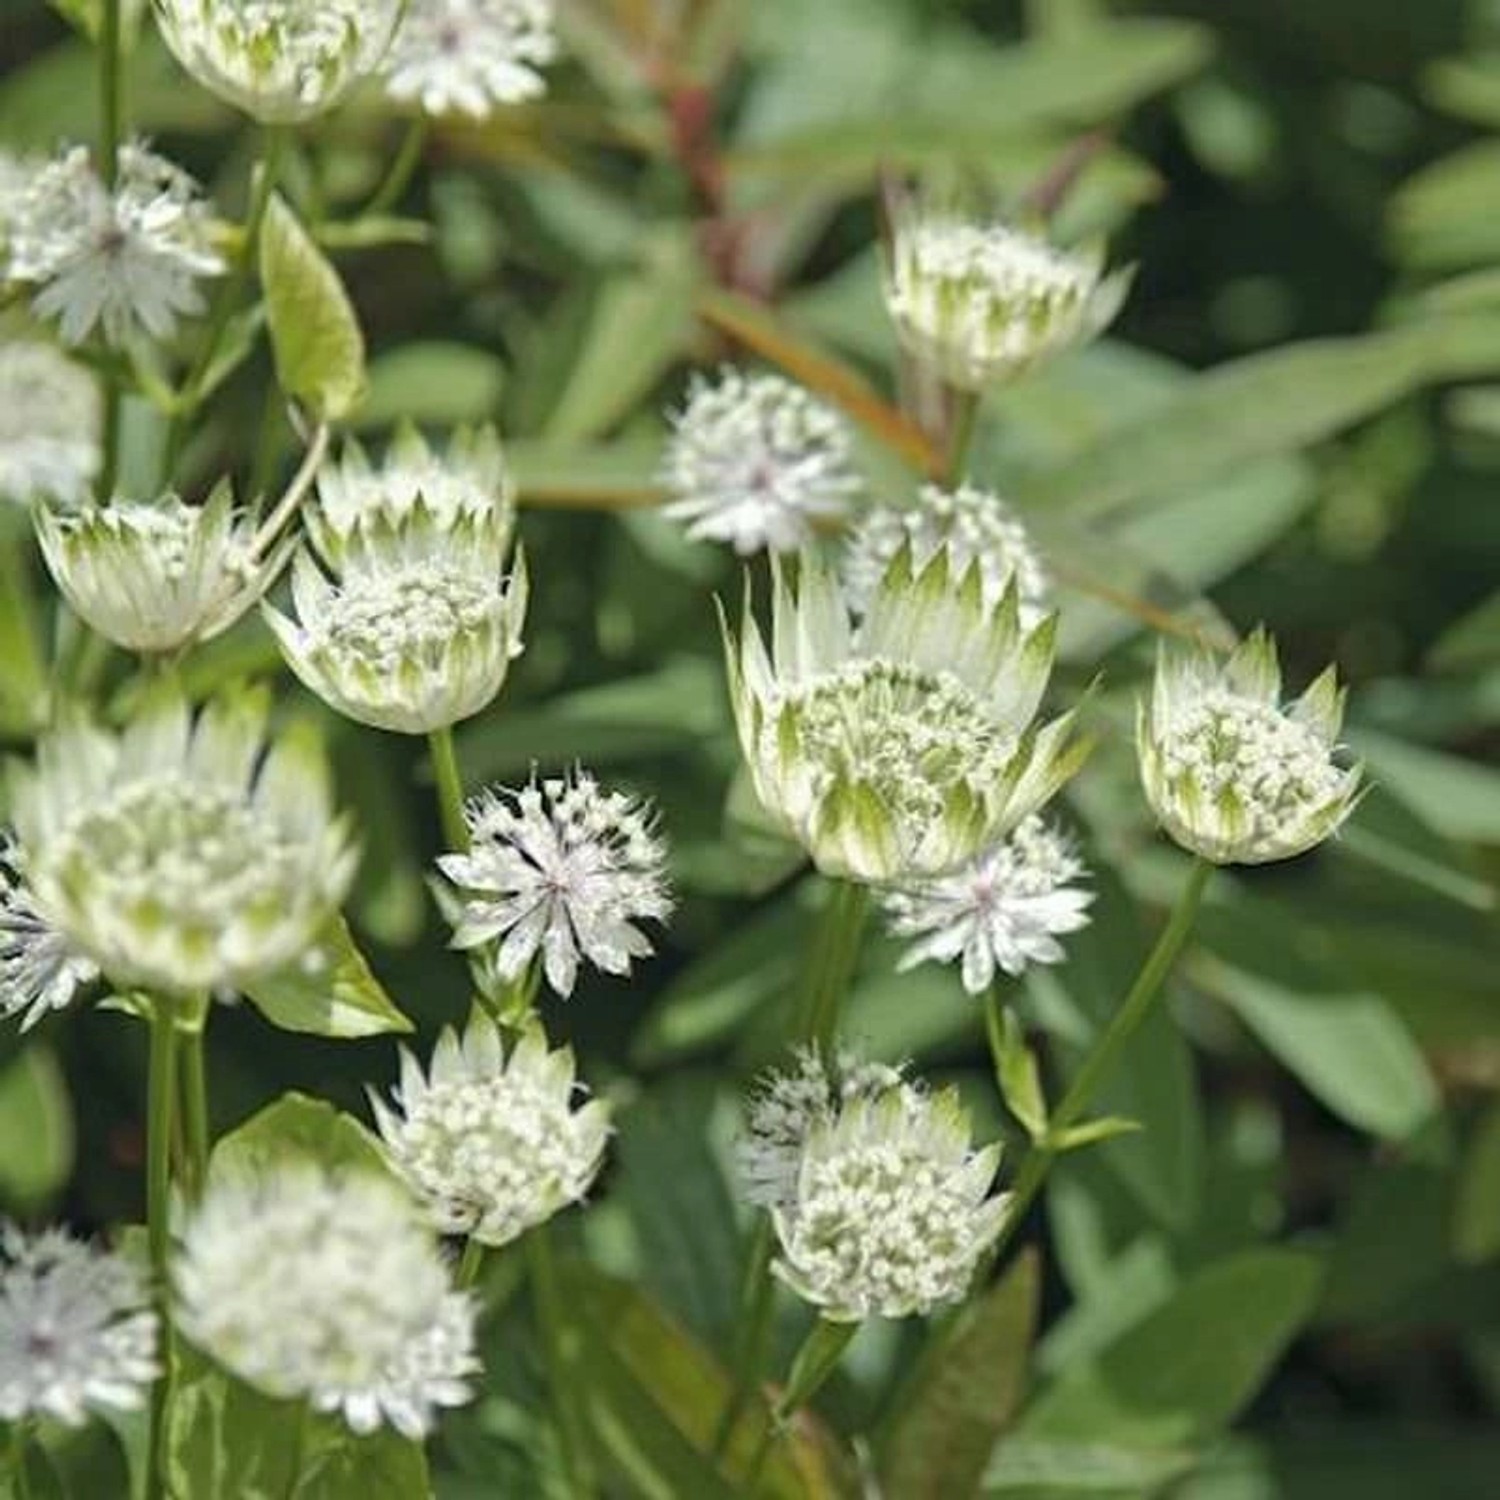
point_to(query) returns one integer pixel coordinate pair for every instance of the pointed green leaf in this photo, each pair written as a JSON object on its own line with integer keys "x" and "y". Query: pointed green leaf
{"x": 329, "y": 992}
{"x": 1106, "y": 1128}
{"x": 1020, "y": 1078}
{"x": 296, "y": 1126}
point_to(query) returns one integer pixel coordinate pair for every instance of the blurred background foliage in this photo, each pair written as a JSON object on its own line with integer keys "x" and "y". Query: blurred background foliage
{"x": 1299, "y": 413}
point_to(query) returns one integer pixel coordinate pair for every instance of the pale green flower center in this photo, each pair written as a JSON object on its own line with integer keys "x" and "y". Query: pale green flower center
{"x": 915, "y": 738}
{"x": 1276, "y": 767}
{"x": 378, "y": 622}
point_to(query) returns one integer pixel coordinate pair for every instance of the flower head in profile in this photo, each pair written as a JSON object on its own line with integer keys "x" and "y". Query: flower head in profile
{"x": 757, "y": 462}
{"x": 405, "y": 619}
{"x": 976, "y": 527}
{"x": 904, "y": 746}
{"x": 49, "y": 425}
{"x": 1231, "y": 774}
{"x": 891, "y": 1210}
{"x": 560, "y": 868}
{"x": 183, "y": 853}
{"x": 470, "y": 56}
{"x": 785, "y": 1106}
{"x": 156, "y": 575}
{"x": 493, "y": 1145}
{"x": 77, "y": 1334}
{"x": 40, "y": 970}
{"x": 124, "y": 259}
{"x": 982, "y": 303}
{"x": 279, "y": 60}
{"x": 326, "y": 1289}
{"x": 1003, "y": 910}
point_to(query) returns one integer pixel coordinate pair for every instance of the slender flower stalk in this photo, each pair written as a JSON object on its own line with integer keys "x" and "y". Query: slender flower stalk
{"x": 1105, "y": 1052}
{"x": 448, "y": 780}
{"x": 160, "y": 1112}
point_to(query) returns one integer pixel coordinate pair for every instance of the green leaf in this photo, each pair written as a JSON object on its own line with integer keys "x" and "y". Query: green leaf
{"x": 441, "y": 384}
{"x": 320, "y": 351}
{"x": 1437, "y": 220}
{"x": 1035, "y": 1466}
{"x": 964, "y": 1393}
{"x": 1020, "y": 1078}
{"x": 24, "y": 680}
{"x": 1183, "y": 1372}
{"x": 1476, "y": 1212}
{"x": 1458, "y": 797}
{"x": 299, "y": 1127}
{"x": 1106, "y": 1128}
{"x": 36, "y": 1130}
{"x": 329, "y": 992}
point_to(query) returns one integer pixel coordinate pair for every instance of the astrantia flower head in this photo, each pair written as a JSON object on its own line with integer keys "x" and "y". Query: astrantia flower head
{"x": 327, "y": 1289}
{"x": 279, "y": 60}
{"x": 182, "y": 854}
{"x": 983, "y": 303}
{"x": 469, "y": 478}
{"x": 493, "y": 1145}
{"x": 785, "y": 1106}
{"x": 49, "y": 425}
{"x": 1230, "y": 773}
{"x": 1004, "y": 909}
{"x": 125, "y": 259}
{"x": 156, "y": 575}
{"x": 891, "y": 1210}
{"x": 77, "y": 1334}
{"x": 903, "y": 747}
{"x": 974, "y": 525}
{"x": 16, "y": 173}
{"x": 470, "y": 56}
{"x": 757, "y": 462}
{"x": 405, "y": 621}
{"x": 562, "y": 868}
{"x": 40, "y": 970}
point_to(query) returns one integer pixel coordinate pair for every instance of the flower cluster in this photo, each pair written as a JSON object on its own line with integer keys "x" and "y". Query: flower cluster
{"x": 983, "y": 303}
{"x": 493, "y": 1145}
{"x": 182, "y": 854}
{"x": 1003, "y": 910}
{"x": 122, "y": 258}
{"x": 756, "y": 462}
{"x": 279, "y": 60}
{"x": 470, "y": 56}
{"x": 49, "y": 425}
{"x": 156, "y": 575}
{"x": 40, "y": 969}
{"x": 330, "y": 1289}
{"x": 77, "y": 1333}
{"x": 905, "y": 746}
{"x": 405, "y": 619}
{"x": 1231, "y": 774}
{"x": 891, "y": 1209}
{"x": 562, "y": 868}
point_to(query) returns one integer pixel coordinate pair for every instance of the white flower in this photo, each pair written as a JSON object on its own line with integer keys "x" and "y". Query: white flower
{"x": 468, "y": 56}
{"x": 973, "y": 524}
{"x": 181, "y": 854}
{"x": 493, "y": 1145}
{"x": 757, "y": 462}
{"x": 982, "y": 303}
{"x": 49, "y": 425}
{"x": 891, "y": 1209}
{"x": 469, "y": 478}
{"x": 122, "y": 259}
{"x": 16, "y": 173}
{"x": 405, "y": 620}
{"x": 1003, "y": 909}
{"x": 904, "y": 747}
{"x": 563, "y": 868}
{"x": 157, "y": 575}
{"x": 40, "y": 970}
{"x": 279, "y": 60}
{"x": 76, "y": 1331}
{"x": 329, "y": 1289}
{"x": 784, "y": 1107}
{"x": 1232, "y": 775}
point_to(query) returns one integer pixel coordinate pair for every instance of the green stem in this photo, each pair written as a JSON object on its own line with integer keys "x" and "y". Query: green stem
{"x": 752, "y": 1330}
{"x": 994, "y": 1030}
{"x": 161, "y": 1096}
{"x": 450, "y": 788}
{"x": 814, "y": 1362}
{"x": 471, "y": 1264}
{"x": 405, "y": 162}
{"x": 964, "y": 416}
{"x": 113, "y": 399}
{"x": 551, "y": 1323}
{"x": 1106, "y": 1049}
{"x": 194, "y": 1106}
{"x": 230, "y": 289}
{"x": 111, "y": 105}
{"x": 19, "y": 1470}
{"x": 831, "y": 961}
